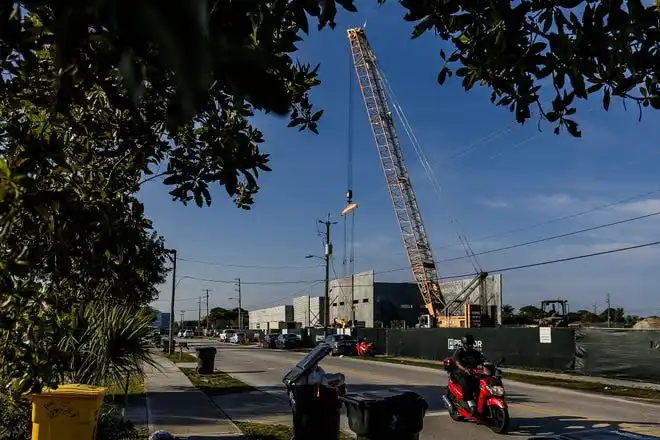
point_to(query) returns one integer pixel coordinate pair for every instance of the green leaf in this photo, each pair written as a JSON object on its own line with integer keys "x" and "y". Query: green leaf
{"x": 606, "y": 99}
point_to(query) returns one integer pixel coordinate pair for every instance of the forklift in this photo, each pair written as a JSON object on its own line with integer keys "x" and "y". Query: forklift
{"x": 550, "y": 316}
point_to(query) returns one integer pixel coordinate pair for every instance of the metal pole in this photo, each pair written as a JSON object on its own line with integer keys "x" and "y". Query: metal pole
{"x": 609, "y": 309}
{"x": 171, "y": 345}
{"x": 240, "y": 314}
{"x": 352, "y": 300}
{"x": 199, "y": 313}
{"x": 207, "y": 311}
{"x": 327, "y": 255}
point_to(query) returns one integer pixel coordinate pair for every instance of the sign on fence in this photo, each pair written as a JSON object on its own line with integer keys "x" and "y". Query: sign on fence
{"x": 453, "y": 344}
{"x": 545, "y": 335}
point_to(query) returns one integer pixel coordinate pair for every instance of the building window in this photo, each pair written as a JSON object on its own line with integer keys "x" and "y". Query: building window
{"x": 365, "y": 300}
{"x": 341, "y": 303}
{"x": 334, "y": 304}
{"x": 355, "y": 301}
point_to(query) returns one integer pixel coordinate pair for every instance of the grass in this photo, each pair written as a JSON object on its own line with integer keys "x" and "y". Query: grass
{"x": 181, "y": 357}
{"x": 216, "y": 384}
{"x": 258, "y": 431}
{"x": 115, "y": 393}
{"x": 558, "y": 382}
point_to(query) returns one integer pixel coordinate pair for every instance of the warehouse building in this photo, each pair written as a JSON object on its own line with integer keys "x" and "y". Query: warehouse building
{"x": 273, "y": 318}
{"x": 309, "y": 311}
{"x": 383, "y": 304}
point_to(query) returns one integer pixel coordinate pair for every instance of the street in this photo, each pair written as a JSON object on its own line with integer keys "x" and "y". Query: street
{"x": 534, "y": 410}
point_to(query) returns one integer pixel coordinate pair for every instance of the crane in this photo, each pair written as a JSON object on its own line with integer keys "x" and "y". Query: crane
{"x": 415, "y": 239}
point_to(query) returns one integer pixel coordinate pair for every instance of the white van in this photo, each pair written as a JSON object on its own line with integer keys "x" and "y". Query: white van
{"x": 225, "y": 335}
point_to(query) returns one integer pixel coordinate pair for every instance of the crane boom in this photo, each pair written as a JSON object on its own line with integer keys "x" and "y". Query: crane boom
{"x": 415, "y": 240}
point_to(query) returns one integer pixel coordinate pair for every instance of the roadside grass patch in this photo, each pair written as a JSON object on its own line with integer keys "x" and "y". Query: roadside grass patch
{"x": 557, "y": 382}
{"x": 259, "y": 431}
{"x": 179, "y": 357}
{"x": 217, "y": 384}
{"x": 115, "y": 393}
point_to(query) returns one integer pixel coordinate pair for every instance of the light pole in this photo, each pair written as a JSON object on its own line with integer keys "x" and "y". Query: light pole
{"x": 174, "y": 284}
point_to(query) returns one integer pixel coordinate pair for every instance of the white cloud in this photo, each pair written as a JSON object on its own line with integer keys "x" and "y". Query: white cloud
{"x": 552, "y": 201}
{"x": 641, "y": 207}
{"x": 499, "y": 204}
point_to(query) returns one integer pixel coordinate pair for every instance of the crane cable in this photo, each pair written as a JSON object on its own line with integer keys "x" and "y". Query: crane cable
{"x": 348, "y": 260}
{"x": 427, "y": 166}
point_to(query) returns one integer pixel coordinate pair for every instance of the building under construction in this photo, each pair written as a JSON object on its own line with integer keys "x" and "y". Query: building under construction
{"x": 384, "y": 304}
{"x": 309, "y": 311}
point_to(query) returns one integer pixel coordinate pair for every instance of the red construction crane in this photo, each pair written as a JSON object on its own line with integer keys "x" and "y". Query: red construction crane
{"x": 407, "y": 212}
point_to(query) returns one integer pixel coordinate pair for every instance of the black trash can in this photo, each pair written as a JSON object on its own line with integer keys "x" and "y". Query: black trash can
{"x": 316, "y": 409}
{"x": 205, "y": 360}
{"x": 316, "y": 412}
{"x": 386, "y": 414}
{"x": 166, "y": 345}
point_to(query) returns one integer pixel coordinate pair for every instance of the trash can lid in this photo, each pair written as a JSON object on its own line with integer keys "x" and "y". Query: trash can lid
{"x": 307, "y": 363}
{"x": 371, "y": 397}
{"x": 75, "y": 390}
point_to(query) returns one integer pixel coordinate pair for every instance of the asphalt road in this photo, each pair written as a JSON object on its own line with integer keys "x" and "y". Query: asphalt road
{"x": 534, "y": 410}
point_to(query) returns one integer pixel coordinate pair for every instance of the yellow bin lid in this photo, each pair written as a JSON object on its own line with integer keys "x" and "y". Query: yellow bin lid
{"x": 76, "y": 390}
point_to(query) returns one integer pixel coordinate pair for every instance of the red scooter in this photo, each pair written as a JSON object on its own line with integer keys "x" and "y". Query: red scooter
{"x": 365, "y": 348}
{"x": 492, "y": 409}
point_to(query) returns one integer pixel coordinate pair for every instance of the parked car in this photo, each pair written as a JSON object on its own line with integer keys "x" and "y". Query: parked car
{"x": 238, "y": 338}
{"x": 342, "y": 345}
{"x": 288, "y": 341}
{"x": 188, "y": 334}
{"x": 268, "y": 341}
{"x": 225, "y": 335}
{"x": 180, "y": 334}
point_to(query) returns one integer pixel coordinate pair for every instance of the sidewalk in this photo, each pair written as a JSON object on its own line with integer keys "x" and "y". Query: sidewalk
{"x": 176, "y": 406}
{"x": 564, "y": 376}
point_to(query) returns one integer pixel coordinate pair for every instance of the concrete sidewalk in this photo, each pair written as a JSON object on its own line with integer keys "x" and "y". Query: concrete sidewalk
{"x": 176, "y": 406}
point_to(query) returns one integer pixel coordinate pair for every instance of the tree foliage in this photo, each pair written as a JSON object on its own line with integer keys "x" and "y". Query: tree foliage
{"x": 576, "y": 47}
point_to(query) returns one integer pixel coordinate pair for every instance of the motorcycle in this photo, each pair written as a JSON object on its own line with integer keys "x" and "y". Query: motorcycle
{"x": 365, "y": 348}
{"x": 492, "y": 409}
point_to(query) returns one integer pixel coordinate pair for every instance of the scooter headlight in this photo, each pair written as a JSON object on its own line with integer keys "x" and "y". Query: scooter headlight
{"x": 496, "y": 390}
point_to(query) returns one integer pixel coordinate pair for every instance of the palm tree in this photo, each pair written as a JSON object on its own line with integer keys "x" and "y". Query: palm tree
{"x": 110, "y": 344}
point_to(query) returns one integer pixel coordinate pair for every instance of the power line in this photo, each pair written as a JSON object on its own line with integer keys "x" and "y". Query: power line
{"x": 244, "y": 282}
{"x": 558, "y": 219}
{"x": 245, "y": 266}
{"x": 465, "y": 275}
{"x": 554, "y": 237}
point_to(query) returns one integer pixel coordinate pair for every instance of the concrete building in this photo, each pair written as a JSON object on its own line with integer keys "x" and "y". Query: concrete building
{"x": 375, "y": 304}
{"x": 273, "y": 318}
{"x": 309, "y": 311}
{"x": 490, "y": 301}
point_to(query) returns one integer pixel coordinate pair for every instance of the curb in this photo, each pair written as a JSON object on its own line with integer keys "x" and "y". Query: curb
{"x": 152, "y": 429}
{"x": 264, "y": 391}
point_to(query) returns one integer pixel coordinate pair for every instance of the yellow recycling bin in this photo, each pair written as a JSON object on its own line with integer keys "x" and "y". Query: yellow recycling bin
{"x": 68, "y": 413}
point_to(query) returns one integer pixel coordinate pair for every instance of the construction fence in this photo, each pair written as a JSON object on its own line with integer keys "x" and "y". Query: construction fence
{"x": 619, "y": 353}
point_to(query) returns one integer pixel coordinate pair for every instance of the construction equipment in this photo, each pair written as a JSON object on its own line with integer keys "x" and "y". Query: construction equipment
{"x": 407, "y": 212}
{"x": 550, "y": 316}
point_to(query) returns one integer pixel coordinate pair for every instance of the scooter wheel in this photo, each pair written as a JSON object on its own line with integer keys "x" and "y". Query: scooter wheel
{"x": 455, "y": 415}
{"x": 499, "y": 419}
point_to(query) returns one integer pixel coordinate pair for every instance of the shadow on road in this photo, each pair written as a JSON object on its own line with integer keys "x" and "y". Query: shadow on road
{"x": 531, "y": 426}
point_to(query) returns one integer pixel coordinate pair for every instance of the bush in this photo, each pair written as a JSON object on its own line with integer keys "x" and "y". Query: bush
{"x": 16, "y": 423}
{"x": 15, "y": 419}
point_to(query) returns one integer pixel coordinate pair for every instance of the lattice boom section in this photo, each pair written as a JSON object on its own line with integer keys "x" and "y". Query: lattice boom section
{"x": 396, "y": 174}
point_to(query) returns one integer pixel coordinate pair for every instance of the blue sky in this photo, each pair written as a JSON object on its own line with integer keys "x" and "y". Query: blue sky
{"x": 511, "y": 177}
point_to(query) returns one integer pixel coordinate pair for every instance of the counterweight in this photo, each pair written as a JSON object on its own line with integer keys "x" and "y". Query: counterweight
{"x": 403, "y": 197}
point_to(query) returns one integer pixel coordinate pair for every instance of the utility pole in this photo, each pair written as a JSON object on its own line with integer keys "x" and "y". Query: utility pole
{"x": 609, "y": 309}
{"x": 207, "y": 310}
{"x": 182, "y": 313}
{"x": 240, "y": 312}
{"x": 199, "y": 313}
{"x": 327, "y": 255}
{"x": 171, "y": 344}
